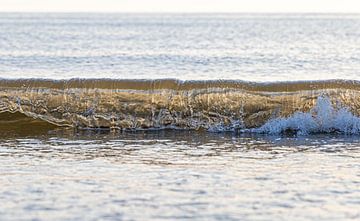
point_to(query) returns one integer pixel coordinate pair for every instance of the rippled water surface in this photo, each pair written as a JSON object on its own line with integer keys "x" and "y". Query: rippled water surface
{"x": 256, "y": 47}
{"x": 197, "y": 172}
{"x": 168, "y": 175}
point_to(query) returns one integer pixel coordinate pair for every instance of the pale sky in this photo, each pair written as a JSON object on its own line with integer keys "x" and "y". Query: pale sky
{"x": 347, "y": 6}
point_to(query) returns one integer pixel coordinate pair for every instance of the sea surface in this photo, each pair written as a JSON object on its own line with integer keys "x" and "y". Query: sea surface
{"x": 179, "y": 116}
{"x": 255, "y": 47}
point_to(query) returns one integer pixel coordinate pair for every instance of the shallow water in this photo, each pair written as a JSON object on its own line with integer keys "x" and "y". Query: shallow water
{"x": 129, "y": 164}
{"x": 167, "y": 175}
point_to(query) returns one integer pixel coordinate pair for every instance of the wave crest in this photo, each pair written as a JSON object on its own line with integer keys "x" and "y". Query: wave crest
{"x": 323, "y": 118}
{"x": 200, "y": 105}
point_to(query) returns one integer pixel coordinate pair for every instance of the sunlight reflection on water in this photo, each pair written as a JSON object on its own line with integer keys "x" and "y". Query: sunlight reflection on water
{"x": 179, "y": 175}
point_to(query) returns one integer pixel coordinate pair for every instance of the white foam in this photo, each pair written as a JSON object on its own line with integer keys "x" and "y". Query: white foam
{"x": 323, "y": 118}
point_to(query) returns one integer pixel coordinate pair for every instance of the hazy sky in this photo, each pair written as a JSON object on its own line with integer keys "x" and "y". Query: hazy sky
{"x": 183, "y": 5}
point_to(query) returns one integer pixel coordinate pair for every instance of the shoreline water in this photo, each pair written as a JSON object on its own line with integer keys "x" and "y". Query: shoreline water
{"x": 169, "y": 174}
{"x": 196, "y": 105}
{"x": 179, "y": 116}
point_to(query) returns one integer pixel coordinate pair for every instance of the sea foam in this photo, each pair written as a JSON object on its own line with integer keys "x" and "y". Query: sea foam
{"x": 322, "y": 118}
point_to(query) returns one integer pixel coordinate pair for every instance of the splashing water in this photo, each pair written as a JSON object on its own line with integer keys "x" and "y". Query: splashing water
{"x": 322, "y": 118}
{"x": 215, "y": 106}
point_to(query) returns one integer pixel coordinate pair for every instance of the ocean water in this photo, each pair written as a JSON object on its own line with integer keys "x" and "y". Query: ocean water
{"x": 179, "y": 175}
{"x": 179, "y": 116}
{"x": 248, "y": 47}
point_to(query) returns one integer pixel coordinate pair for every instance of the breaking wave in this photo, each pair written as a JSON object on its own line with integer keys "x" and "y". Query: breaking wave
{"x": 323, "y": 118}
{"x": 279, "y": 107}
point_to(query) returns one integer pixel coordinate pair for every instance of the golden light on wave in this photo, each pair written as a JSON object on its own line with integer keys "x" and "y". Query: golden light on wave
{"x": 159, "y": 104}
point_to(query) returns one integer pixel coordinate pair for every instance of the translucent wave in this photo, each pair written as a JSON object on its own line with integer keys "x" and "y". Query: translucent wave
{"x": 278, "y": 107}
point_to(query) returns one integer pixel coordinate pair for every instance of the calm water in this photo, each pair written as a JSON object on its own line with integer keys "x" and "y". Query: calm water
{"x": 206, "y": 46}
{"x": 62, "y": 174}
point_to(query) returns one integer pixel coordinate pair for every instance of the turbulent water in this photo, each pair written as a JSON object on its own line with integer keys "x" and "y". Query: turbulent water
{"x": 179, "y": 116}
{"x": 319, "y": 106}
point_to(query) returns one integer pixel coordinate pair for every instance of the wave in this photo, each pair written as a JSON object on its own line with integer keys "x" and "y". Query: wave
{"x": 222, "y": 105}
{"x": 323, "y": 118}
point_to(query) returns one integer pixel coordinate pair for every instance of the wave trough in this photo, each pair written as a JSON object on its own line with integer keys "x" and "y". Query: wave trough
{"x": 278, "y": 107}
